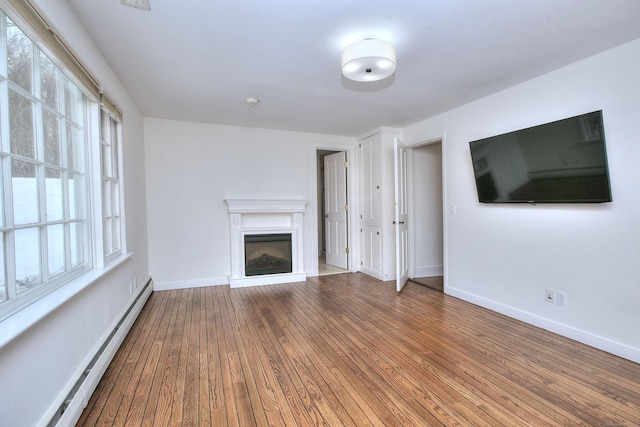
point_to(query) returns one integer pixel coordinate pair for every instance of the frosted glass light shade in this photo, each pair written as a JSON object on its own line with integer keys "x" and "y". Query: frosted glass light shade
{"x": 368, "y": 60}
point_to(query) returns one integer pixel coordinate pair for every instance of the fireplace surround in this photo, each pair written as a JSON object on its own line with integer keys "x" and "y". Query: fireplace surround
{"x": 266, "y": 218}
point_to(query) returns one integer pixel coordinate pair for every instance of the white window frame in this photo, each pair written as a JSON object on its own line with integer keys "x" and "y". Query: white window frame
{"x": 19, "y": 312}
{"x": 111, "y": 177}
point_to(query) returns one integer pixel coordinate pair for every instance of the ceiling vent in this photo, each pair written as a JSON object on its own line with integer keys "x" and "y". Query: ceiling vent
{"x": 138, "y": 4}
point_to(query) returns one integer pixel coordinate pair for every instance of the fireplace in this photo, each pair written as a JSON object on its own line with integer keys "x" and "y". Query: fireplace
{"x": 267, "y": 254}
{"x": 263, "y": 233}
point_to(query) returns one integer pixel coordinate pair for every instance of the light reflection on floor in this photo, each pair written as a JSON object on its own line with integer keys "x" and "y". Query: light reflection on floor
{"x": 324, "y": 268}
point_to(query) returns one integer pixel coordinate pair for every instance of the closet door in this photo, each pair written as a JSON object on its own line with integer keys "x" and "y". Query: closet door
{"x": 401, "y": 213}
{"x": 335, "y": 204}
{"x": 371, "y": 250}
{"x": 366, "y": 181}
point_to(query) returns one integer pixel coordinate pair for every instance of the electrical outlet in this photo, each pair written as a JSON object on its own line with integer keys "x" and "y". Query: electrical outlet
{"x": 550, "y": 295}
{"x": 561, "y": 298}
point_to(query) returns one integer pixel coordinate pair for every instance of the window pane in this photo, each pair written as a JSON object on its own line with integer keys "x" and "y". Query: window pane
{"x": 48, "y": 82}
{"x": 106, "y": 160}
{"x": 107, "y": 235}
{"x": 115, "y": 234}
{"x": 74, "y": 148}
{"x": 19, "y": 56}
{"x": 77, "y": 244}
{"x": 55, "y": 242}
{"x": 53, "y": 185}
{"x": 25, "y": 192}
{"x": 21, "y": 125}
{"x": 76, "y": 188}
{"x": 28, "y": 272}
{"x": 115, "y": 200}
{"x": 3, "y": 281}
{"x": 103, "y": 125}
{"x": 73, "y": 102}
{"x": 51, "y": 137}
{"x": 2, "y": 224}
{"x": 106, "y": 194}
{"x": 114, "y": 148}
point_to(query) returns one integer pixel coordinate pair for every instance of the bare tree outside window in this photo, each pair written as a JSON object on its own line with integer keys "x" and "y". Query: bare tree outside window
{"x": 19, "y": 57}
{"x": 50, "y": 124}
{"x": 48, "y": 82}
{"x": 21, "y": 132}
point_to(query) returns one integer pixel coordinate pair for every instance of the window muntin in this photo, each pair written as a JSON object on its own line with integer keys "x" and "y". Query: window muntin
{"x": 45, "y": 234}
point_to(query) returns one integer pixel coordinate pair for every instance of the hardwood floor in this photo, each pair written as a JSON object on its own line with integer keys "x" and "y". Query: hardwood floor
{"x": 347, "y": 350}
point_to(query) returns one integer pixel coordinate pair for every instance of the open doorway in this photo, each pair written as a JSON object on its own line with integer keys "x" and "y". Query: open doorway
{"x": 333, "y": 243}
{"x": 426, "y": 263}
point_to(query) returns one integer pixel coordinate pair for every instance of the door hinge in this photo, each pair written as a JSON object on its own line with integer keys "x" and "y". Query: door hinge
{"x": 346, "y": 207}
{"x": 347, "y": 250}
{"x": 346, "y": 164}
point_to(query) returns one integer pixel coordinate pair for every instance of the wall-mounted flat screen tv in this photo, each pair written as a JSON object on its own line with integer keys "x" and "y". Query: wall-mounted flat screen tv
{"x": 559, "y": 162}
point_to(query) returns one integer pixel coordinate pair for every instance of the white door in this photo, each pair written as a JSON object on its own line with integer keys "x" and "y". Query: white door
{"x": 402, "y": 232}
{"x": 335, "y": 209}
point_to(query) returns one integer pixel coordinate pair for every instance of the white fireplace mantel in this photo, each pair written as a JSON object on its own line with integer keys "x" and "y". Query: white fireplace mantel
{"x": 265, "y": 206}
{"x": 265, "y": 216}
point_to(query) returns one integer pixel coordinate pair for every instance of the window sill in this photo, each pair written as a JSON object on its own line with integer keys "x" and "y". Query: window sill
{"x": 19, "y": 322}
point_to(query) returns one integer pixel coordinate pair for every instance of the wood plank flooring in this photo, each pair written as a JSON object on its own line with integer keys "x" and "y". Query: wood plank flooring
{"x": 346, "y": 350}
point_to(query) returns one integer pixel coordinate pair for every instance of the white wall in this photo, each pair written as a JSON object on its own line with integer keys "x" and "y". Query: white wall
{"x": 427, "y": 210}
{"x": 504, "y": 256}
{"x": 38, "y": 368}
{"x": 192, "y": 167}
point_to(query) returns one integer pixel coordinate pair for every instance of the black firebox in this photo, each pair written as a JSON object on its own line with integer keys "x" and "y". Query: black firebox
{"x": 267, "y": 254}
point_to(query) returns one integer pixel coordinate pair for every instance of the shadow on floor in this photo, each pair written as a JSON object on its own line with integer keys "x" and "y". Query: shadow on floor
{"x": 431, "y": 282}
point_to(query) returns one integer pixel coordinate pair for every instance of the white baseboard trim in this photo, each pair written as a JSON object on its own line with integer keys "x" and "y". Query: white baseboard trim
{"x": 75, "y": 399}
{"x": 601, "y": 343}
{"x": 186, "y": 284}
{"x": 430, "y": 271}
{"x": 314, "y": 272}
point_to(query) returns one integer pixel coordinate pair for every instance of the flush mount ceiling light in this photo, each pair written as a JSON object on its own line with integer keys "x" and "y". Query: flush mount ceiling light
{"x": 368, "y": 60}
{"x": 252, "y": 102}
{"x": 138, "y": 4}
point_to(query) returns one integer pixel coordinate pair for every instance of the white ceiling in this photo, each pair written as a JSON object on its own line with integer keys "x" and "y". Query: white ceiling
{"x": 198, "y": 60}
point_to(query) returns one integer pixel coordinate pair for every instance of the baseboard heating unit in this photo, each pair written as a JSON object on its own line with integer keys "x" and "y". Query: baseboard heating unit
{"x": 71, "y": 409}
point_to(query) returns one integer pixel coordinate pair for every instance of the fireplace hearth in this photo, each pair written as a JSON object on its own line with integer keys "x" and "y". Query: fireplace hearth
{"x": 267, "y": 254}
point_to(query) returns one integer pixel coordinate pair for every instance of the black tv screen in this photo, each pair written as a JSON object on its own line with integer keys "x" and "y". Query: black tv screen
{"x": 559, "y": 162}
